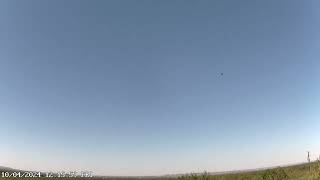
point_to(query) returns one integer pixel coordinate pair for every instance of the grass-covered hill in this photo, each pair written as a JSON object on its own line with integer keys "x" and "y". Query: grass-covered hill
{"x": 309, "y": 171}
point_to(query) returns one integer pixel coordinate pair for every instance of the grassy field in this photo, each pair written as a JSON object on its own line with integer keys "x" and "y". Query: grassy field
{"x": 299, "y": 172}
{"x": 310, "y": 171}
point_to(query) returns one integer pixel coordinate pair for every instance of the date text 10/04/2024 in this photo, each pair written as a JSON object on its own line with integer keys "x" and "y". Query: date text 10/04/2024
{"x": 84, "y": 174}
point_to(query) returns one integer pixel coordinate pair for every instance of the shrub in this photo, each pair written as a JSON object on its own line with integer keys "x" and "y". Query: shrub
{"x": 275, "y": 174}
{"x": 316, "y": 169}
{"x": 194, "y": 176}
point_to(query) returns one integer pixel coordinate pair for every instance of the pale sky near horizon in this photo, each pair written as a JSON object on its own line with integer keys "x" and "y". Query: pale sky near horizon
{"x": 134, "y": 87}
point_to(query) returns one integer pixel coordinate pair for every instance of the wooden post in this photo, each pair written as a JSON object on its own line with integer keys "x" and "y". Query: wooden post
{"x": 308, "y": 158}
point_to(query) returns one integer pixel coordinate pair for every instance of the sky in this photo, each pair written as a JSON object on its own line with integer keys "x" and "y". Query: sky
{"x": 135, "y": 87}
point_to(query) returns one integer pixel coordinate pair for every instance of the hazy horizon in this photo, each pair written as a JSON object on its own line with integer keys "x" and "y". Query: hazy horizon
{"x": 135, "y": 87}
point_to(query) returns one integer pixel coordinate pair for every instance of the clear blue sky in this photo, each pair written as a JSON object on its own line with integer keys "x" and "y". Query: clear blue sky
{"x": 134, "y": 87}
